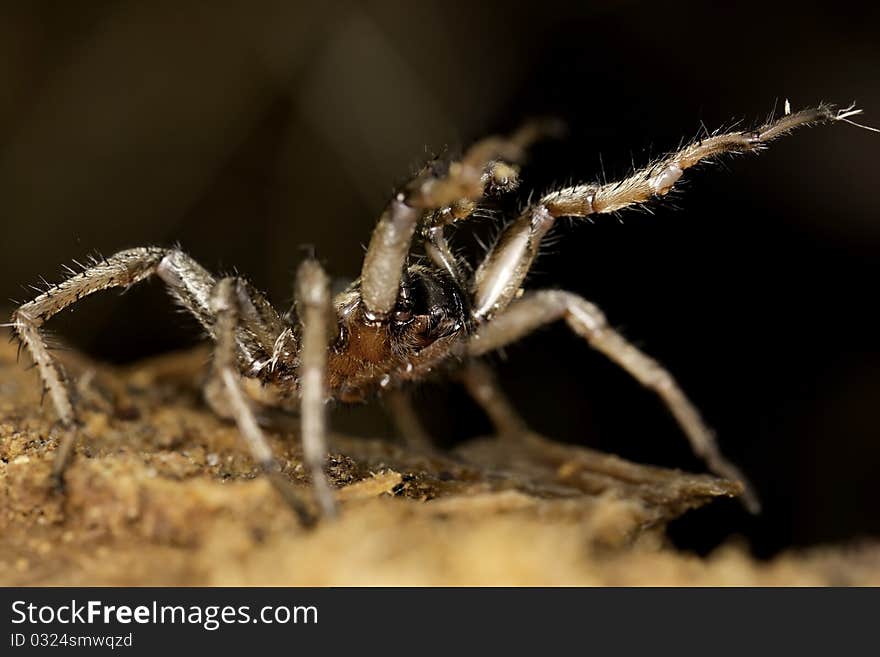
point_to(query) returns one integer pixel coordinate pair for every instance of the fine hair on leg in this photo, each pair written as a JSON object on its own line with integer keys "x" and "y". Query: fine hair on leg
{"x": 121, "y": 270}
{"x": 188, "y": 282}
{"x": 505, "y": 267}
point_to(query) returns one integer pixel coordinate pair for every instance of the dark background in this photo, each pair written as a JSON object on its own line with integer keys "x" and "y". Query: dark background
{"x": 245, "y": 129}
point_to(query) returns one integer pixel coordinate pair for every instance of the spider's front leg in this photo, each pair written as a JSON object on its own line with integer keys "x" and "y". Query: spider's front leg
{"x": 226, "y": 306}
{"x": 537, "y": 309}
{"x": 439, "y": 199}
{"x": 499, "y": 277}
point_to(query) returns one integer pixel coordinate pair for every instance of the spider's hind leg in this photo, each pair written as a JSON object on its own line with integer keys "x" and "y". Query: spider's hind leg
{"x": 480, "y": 382}
{"x": 399, "y": 406}
{"x": 537, "y": 309}
{"x": 121, "y": 270}
{"x": 315, "y": 312}
{"x": 190, "y": 283}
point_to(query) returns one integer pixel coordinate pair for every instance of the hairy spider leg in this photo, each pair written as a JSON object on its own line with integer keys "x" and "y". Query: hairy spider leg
{"x": 440, "y": 199}
{"x": 499, "y": 176}
{"x": 121, "y": 270}
{"x": 500, "y": 275}
{"x": 254, "y": 324}
{"x": 536, "y": 309}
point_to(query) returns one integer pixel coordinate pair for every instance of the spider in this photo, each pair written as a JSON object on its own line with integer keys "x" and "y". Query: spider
{"x": 402, "y": 319}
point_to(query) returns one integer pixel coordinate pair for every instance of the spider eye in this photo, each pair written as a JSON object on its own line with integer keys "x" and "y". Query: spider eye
{"x": 404, "y": 311}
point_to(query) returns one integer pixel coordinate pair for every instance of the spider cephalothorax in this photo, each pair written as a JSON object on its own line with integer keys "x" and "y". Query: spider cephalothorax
{"x": 429, "y": 317}
{"x": 400, "y": 321}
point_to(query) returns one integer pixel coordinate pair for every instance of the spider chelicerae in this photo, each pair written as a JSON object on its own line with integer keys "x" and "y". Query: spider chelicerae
{"x": 401, "y": 319}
